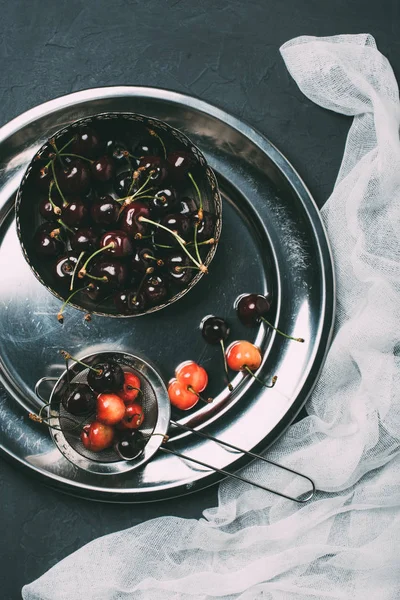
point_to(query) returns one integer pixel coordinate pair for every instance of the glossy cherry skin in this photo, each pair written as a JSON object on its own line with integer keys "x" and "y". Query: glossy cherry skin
{"x": 141, "y": 261}
{"x": 122, "y": 244}
{"x": 110, "y": 408}
{"x": 64, "y": 268}
{"x": 105, "y": 211}
{"x": 115, "y": 271}
{"x": 155, "y": 290}
{"x": 179, "y": 164}
{"x": 46, "y": 208}
{"x": 129, "y": 220}
{"x": 123, "y": 184}
{"x": 74, "y": 176}
{"x": 242, "y": 354}
{"x": 177, "y": 223}
{"x": 81, "y": 401}
{"x": 190, "y": 374}
{"x": 106, "y": 377}
{"x": 97, "y": 436}
{"x": 133, "y": 418}
{"x": 180, "y": 396}
{"x": 131, "y": 389}
{"x": 155, "y": 167}
{"x": 85, "y": 239}
{"x": 163, "y": 202}
{"x": 251, "y": 308}
{"x": 214, "y": 330}
{"x": 117, "y": 149}
{"x": 94, "y": 291}
{"x": 175, "y": 264}
{"x": 103, "y": 169}
{"x": 46, "y": 244}
{"x": 130, "y": 444}
{"x": 75, "y": 214}
{"x": 146, "y": 147}
{"x": 87, "y": 142}
{"x": 129, "y": 302}
{"x": 205, "y": 227}
{"x": 187, "y": 206}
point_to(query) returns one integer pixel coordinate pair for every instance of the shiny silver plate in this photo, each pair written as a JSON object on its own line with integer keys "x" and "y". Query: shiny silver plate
{"x": 272, "y": 240}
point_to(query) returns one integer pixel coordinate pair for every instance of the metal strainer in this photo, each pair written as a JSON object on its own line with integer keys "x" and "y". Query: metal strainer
{"x": 65, "y": 428}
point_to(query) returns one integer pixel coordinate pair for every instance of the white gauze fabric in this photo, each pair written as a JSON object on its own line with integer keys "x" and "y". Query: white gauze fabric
{"x": 345, "y": 543}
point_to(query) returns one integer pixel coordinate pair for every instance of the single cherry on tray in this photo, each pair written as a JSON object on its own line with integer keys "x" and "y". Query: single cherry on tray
{"x": 215, "y": 330}
{"x": 246, "y": 357}
{"x": 97, "y": 436}
{"x": 192, "y": 375}
{"x": 130, "y": 444}
{"x": 252, "y": 308}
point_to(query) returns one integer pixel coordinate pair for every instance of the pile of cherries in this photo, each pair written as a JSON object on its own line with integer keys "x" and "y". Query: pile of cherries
{"x": 114, "y": 397}
{"x": 117, "y": 226}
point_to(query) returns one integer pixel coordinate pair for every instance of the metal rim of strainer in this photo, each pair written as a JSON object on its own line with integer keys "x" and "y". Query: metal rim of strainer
{"x": 154, "y": 379}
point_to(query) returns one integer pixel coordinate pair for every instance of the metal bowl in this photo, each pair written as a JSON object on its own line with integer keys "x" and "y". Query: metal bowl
{"x": 28, "y": 217}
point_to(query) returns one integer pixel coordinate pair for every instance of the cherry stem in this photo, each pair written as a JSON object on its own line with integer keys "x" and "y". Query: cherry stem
{"x": 289, "y": 337}
{"x": 149, "y": 271}
{"x": 103, "y": 278}
{"x": 153, "y": 133}
{"x": 65, "y": 203}
{"x": 71, "y": 287}
{"x": 60, "y": 316}
{"x": 178, "y": 238}
{"x": 62, "y": 149}
{"x": 179, "y": 268}
{"x": 68, "y": 356}
{"x": 53, "y": 143}
{"x": 196, "y": 246}
{"x": 61, "y": 222}
{"x": 142, "y": 187}
{"x": 56, "y": 209}
{"x": 82, "y": 272}
{"x": 230, "y": 386}
{"x": 209, "y": 242}
{"x": 273, "y": 380}
{"x": 42, "y": 408}
{"x": 131, "y": 387}
{"x": 206, "y": 401}
{"x": 200, "y": 211}
{"x": 76, "y": 156}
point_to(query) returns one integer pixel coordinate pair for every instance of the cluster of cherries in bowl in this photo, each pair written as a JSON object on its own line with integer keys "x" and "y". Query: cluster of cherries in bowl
{"x": 117, "y": 227}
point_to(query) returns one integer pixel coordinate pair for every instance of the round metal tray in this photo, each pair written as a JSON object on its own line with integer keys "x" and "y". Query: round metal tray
{"x": 272, "y": 240}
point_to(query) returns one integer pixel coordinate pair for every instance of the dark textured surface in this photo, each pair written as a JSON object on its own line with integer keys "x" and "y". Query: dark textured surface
{"x": 225, "y": 52}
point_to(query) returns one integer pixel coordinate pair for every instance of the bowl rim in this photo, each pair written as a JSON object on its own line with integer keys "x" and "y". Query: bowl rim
{"x": 201, "y": 160}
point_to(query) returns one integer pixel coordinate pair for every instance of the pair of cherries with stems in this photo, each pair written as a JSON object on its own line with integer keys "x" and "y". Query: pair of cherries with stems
{"x": 242, "y": 355}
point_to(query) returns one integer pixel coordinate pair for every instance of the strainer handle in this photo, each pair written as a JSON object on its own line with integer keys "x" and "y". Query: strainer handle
{"x": 305, "y": 497}
{"x": 39, "y": 383}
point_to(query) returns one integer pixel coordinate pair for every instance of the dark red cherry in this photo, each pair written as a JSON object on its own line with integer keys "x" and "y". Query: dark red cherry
{"x": 187, "y": 205}
{"x": 129, "y": 219}
{"x": 175, "y": 264}
{"x": 215, "y": 330}
{"x": 41, "y": 175}
{"x": 103, "y": 169}
{"x": 85, "y": 239}
{"x": 129, "y": 302}
{"x": 155, "y": 167}
{"x": 46, "y": 241}
{"x": 73, "y": 176}
{"x": 86, "y": 143}
{"x": 121, "y": 243}
{"x": 81, "y": 401}
{"x": 117, "y": 149}
{"x": 64, "y": 268}
{"x": 143, "y": 258}
{"x": 75, "y": 214}
{"x": 180, "y": 224}
{"x": 179, "y": 163}
{"x": 155, "y": 289}
{"x": 205, "y": 227}
{"x": 115, "y": 271}
{"x": 46, "y": 208}
{"x": 130, "y": 444}
{"x": 96, "y": 290}
{"x": 145, "y": 148}
{"x": 123, "y": 184}
{"x": 106, "y": 377}
{"x": 105, "y": 211}
{"x": 163, "y": 202}
{"x": 251, "y": 308}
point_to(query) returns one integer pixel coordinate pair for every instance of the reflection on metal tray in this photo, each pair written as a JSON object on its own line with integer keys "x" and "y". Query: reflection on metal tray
{"x": 272, "y": 240}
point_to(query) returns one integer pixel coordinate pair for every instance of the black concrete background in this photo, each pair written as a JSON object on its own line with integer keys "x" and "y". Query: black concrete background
{"x": 225, "y": 52}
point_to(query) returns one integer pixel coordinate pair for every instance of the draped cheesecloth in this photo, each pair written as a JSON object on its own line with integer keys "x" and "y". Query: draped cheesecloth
{"x": 345, "y": 543}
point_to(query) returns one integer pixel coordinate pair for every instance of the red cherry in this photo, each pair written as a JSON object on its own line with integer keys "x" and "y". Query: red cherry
{"x": 243, "y": 355}
{"x": 110, "y": 409}
{"x": 131, "y": 388}
{"x": 190, "y": 374}
{"x": 97, "y": 436}
{"x": 133, "y": 418}
{"x": 180, "y": 396}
